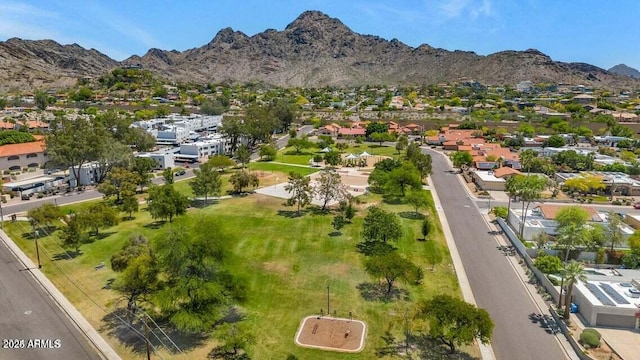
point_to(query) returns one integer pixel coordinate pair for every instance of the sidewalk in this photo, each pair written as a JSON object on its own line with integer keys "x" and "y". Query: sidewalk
{"x": 102, "y": 347}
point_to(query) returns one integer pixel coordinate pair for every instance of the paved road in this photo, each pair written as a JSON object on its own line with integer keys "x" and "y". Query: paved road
{"x": 494, "y": 283}
{"x": 28, "y": 313}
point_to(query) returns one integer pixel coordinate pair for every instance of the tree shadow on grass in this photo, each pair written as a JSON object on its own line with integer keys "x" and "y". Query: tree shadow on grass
{"x": 118, "y": 324}
{"x": 292, "y": 214}
{"x": 100, "y": 236}
{"x": 155, "y": 225}
{"x": 411, "y": 215}
{"x": 393, "y": 199}
{"x": 430, "y": 348}
{"x": 66, "y": 255}
{"x": 201, "y": 204}
{"x": 378, "y": 292}
{"x": 335, "y": 233}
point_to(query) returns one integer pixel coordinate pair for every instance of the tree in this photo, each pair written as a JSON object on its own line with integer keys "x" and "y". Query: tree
{"x": 425, "y": 228}
{"x": 300, "y": 189}
{"x": 418, "y": 199}
{"x": 268, "y": 152}
{"x": 193, "y": 294}
{"x": 138, "y": 280}
{"x": 529, "y": 189}
{"x": 572, "y": 272}
{"x": 167, "y": 175}
{"x": 540, "y": 239}
{"x": 614, "y": 229}
{"x": 461, "y": 158}
{"x": 329, "y": 187}
{"x": 338, "y": 222}
{"x": 41, "y": 99}
{"x": 45, "y": 214}
{"x": 511, "y": 189}
{"x": 234, "y": 339}
{"x": 391, "y": 266}
{"x": 142, "y": 167}
{"x": 381, "y": 226}
{"x": 554, "y": 141}
{"x": 72, "y": 233}
{"x": 299, "y": 144}
{"x": 206, "y": 181}
{"x": 243, "y": 154}
{"x": 129, "y": 204}
{"x": 233, "y": 129}
{"x": 402, "y": 178}
{"x": 548, "y": 264}
{"x": 381, "y": 137}
{"x": 97, "y": 216}
{"x": 570, "y": 236}
{"x": 571, "y": 215}
{"x": 72, "y": 143}
{"x": 220, "y": 162}
{"x": 166, "y": 202}
{"x": 586, "y": 183}
{"x": 433, "y": 253}
{"x": 401, "y": 143}
{"x": 455, "y": 322}
{"x": 136, "y": 245}
{"x": 242, "y": 179}
{"x": 526, "y": 158}
{"x": 119, "y": 180}
{"x": 376, "y": 127}
{"x": 422, "y": 163}
{"x": 332, "y": 158}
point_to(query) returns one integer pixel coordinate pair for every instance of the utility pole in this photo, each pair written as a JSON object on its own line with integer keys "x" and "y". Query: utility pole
{"x": 146, "y": 336}
{"x": 328, "y": 310}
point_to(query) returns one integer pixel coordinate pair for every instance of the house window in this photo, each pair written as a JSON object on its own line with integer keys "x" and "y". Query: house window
{"x": 13, "y": 157}
{"x": 32, "y": 155}
{"x": 33, "y": 165}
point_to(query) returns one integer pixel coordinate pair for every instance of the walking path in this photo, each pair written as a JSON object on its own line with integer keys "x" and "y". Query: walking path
{"x": 81, "y": 323}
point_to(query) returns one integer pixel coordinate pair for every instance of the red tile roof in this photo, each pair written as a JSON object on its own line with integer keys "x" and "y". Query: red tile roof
{"x": 21, "y": 149}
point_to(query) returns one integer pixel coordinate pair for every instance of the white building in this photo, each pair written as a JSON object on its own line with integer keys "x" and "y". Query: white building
{"x": 89, "y": 175}
{"x": 176, "y": 129}
{"x": 204, "y": 148}
{"x": 163, "y": 160}
{"x": 541, "y": 219}
{"x": 609, "y": 298}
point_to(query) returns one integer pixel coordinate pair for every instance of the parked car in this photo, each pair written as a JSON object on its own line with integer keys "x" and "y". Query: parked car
{"x": 636, "y": 206}
{"x": 180, "y": 172}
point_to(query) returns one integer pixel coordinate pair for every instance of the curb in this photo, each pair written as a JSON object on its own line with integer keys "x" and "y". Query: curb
{"x": 102, "y": 347}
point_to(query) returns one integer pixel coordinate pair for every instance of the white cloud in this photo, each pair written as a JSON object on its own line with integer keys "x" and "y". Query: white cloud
{"x": 461, "y": 8}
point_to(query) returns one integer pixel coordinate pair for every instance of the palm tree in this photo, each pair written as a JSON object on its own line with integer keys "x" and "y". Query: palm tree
{"x": 572, "y": 272}
{"x": 570, "y": 236}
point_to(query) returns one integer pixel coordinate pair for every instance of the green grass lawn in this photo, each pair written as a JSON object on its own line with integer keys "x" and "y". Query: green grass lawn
{"x": 287, "y": 264}
{"x": 281, "y": 168}
{"x": 288, "y": 155}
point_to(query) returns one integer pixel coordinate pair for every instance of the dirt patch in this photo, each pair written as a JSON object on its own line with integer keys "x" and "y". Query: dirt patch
{"x": 276, "y": 268}
{"x": 331, "y": 334}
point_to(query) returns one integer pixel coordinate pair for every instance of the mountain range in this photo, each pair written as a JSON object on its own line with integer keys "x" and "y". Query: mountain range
{"x": 314, "y": 50}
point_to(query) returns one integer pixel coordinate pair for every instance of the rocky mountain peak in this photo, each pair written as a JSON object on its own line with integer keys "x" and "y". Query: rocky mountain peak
{"x": 228, "y": 36}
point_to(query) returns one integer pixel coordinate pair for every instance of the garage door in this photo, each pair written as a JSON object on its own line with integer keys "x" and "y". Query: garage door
{"x": 616, "y": 321}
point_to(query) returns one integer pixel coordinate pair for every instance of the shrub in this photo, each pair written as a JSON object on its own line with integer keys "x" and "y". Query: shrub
{"x": 500, "y": 211}
{"x": 630, "y": 260}
{"x": 590, "y": 338}
{"x": 589, "y": 200}
{"x": 616, "y": 202}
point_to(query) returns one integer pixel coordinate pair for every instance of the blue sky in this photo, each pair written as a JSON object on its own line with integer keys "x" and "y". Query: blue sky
{"x": 599, "y": 32}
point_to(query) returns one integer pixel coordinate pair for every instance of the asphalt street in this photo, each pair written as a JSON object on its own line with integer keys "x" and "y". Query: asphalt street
{"x": 32, "y": 326}
{"x": 495, "y": 285}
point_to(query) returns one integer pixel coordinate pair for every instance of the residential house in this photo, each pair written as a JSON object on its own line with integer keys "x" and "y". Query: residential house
{"x": 14, "y": 157}
{"x": 493, "y": 180}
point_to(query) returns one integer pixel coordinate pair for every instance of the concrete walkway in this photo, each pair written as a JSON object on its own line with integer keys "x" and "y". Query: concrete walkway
{"x": 104, "y": 349}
